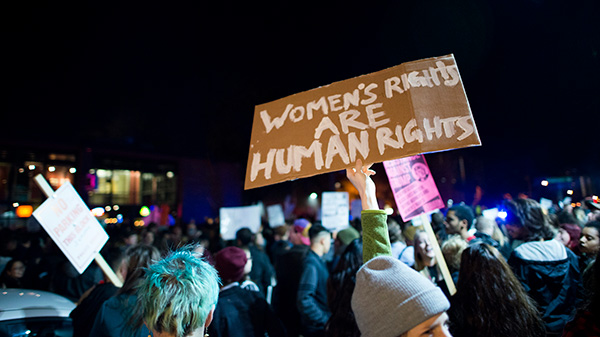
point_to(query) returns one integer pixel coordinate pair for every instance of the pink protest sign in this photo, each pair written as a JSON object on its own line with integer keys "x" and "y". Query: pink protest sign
{"x": 414, "y": 190}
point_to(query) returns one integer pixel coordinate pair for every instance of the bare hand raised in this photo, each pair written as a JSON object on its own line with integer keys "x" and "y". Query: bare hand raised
{"x": 360, "y": 177}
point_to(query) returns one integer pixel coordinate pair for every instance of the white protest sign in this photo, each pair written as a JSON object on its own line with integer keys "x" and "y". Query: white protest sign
{"x": 335, "y": 210}
{"x": 234, "y": 218}
{"x": 491, "y": 213}
{"x": 71, "y": 225}
{"x": 545, "y": 203}
{"x": 275, "y": 215}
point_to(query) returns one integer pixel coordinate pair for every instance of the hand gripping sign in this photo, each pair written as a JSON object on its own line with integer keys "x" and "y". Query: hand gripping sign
{"x": 73, "y": 228}
{"x": 415, "y": 107}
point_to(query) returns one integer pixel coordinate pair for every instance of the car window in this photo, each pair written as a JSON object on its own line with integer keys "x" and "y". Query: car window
{"x": 39, "y": 327}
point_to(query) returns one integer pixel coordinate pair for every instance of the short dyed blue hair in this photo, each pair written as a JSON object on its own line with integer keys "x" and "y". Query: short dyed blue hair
{"x": 178, "y": 293}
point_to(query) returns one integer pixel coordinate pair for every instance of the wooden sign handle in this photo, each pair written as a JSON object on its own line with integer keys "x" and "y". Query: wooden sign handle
{"x": 438, "y": 255}
{"x": 106, "y": 269}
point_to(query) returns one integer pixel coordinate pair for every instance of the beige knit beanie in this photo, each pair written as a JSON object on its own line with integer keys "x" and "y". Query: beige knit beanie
{"x": 391, "y": 298}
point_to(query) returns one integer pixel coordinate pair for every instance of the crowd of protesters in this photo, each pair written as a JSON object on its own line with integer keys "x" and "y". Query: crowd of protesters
{"x": 530, "y": 274}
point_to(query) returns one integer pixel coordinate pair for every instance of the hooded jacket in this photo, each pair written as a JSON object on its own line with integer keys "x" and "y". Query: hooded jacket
{"x": 550, "y": 274}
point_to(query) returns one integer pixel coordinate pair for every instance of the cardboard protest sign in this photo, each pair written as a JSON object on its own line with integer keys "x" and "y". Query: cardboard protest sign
{"x": 275, "y": 215}
{"x": 335, "y": 210}
{"x": 415, "y": 107}
{"x": 71, "y": 225}
{"x": 414, "y": 189}
{"x": 234, "y": 218}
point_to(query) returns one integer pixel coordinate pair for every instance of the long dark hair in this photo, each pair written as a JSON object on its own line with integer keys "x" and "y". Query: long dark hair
{"x": 490, "y": 300}
{"x": 340, "y": 286}
{"x": 528, "y": 214}
{"x": 137, "y": 258}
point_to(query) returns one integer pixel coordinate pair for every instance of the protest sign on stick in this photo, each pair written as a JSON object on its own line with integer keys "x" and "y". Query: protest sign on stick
{"x": 71, "y": 225}
{"x": 416, "y": 194}
{"x": 415, "y": 107}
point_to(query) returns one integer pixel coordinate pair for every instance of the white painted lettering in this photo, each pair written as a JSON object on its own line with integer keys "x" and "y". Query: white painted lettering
{"x": 354, "y": 144}
{"x": 257, "y": 165}
{"x": 334, "y": 100}
{"x": 392, "y": 84}
{"x": 412, "y": 132}
{"x": 297, "y": 114}
{"x": 336, "y": 147}
{"x": 320, "y": 104}
{"x": 277, "y": 121}
{"x": 384, "y": 137}
{"x": 352, "y": 98}
{"x": 448, "y": 124}
{"x": 465, "y": 124}
{"x": 372, "y": 96}
{"x": 431, "y": 130}
{"x": 372, "y": 115}
{"x": 302, "y": 152}
{"x": 325, "y": 124}
{"x": 348, "y": 119}
{"x": 280, "y": 165}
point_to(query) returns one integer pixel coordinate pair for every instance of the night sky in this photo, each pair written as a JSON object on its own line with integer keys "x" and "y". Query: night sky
{"x": 184, "y": 78}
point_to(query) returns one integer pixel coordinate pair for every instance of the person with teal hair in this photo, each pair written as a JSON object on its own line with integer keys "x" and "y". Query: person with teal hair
{"x": 177, "y": 298}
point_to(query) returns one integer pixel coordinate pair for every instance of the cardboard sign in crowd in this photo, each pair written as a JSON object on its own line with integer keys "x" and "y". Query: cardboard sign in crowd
{"x": 413, "y": 108}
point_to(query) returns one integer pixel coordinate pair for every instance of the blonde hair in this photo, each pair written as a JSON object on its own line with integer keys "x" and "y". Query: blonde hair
{"x": 419, "y": 264}
{"x": 452, "y": 249}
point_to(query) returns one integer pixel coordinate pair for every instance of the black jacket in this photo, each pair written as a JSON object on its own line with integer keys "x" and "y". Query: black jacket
{"x": 312, "y": 295}
{"x": 549, "y": 272}
{"x": 244, "y": 313}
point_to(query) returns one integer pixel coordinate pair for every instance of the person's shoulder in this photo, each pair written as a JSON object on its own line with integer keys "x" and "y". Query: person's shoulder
{"x": 542, "y": 251}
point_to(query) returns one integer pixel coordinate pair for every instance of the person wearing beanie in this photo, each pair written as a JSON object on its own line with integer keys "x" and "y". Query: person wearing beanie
{"x": 390, "y": 298}
{"x": 299, "y": 232}
{"x": 240, "y": 312}
{"x": 312, "y": 288}
{"x": 342, "y": 240}
{"x": 231, "y": 263}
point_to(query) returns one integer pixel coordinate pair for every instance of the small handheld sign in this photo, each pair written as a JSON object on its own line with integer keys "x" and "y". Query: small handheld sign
{"x": 234, "y": 218}
{"x": 71, "y": 225}
{"x": 275, "y": 215}
{"x": 335, "y": 211}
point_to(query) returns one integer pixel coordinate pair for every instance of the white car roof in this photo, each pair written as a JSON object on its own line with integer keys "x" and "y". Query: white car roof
{"x": 26, "y": 303}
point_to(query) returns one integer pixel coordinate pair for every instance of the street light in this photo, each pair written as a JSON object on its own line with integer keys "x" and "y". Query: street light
{"x": 544, "y": 182}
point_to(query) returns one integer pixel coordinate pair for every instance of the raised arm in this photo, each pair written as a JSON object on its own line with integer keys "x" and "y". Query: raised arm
{"x": 376, "y": 241}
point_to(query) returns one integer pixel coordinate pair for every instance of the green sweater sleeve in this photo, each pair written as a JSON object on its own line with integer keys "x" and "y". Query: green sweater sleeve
{"x": 376, "y": 241}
